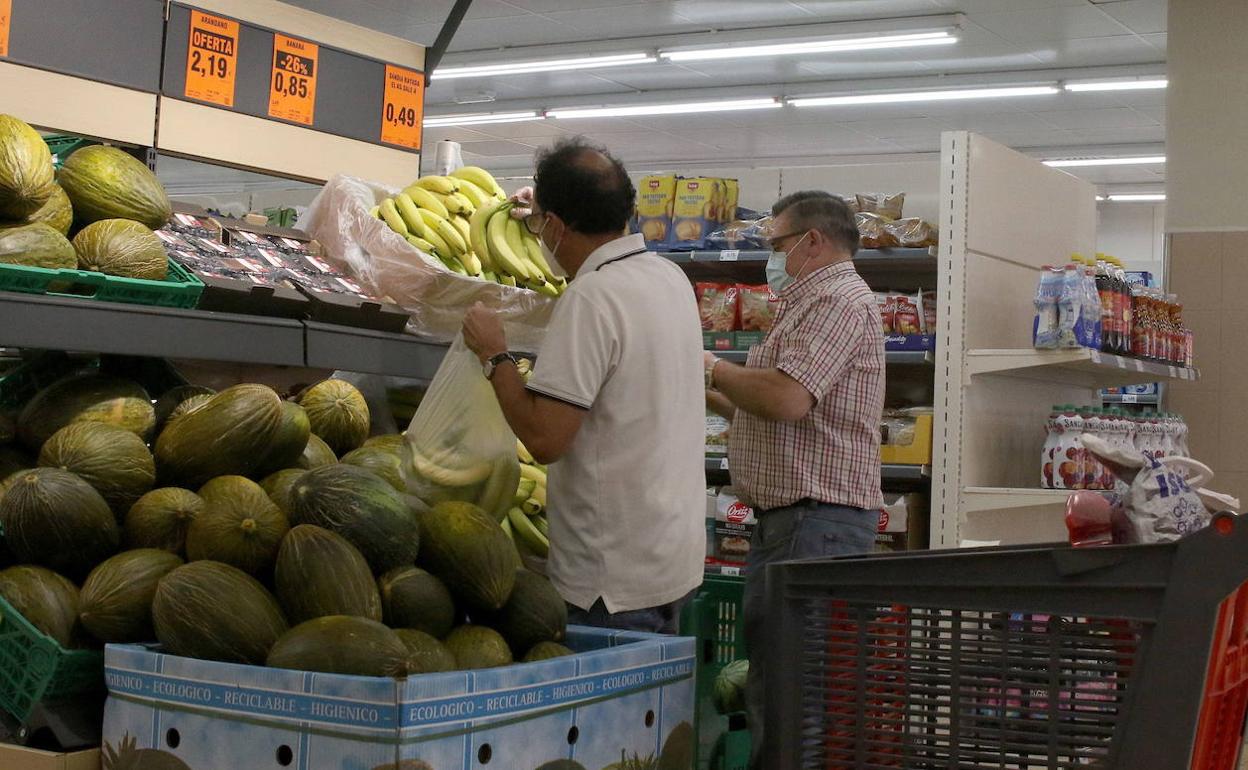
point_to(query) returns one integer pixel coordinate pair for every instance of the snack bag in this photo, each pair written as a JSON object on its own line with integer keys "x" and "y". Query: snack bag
{"x": 887, "y": 205}
{"x": 888, "y": 311}
{"x": 908, "y": 318}
{"x": 717, "y": 305}
{"x": 758, "y": 307}
{"x": 656, "y": 196}
{"x": 927, "y": 301}
{"x": 459, "y": 446}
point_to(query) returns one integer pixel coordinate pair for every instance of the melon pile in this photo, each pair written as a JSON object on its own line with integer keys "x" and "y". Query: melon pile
{"x": 241, "y": 527}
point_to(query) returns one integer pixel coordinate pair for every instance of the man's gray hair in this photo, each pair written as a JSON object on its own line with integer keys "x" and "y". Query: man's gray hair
{"x": 822, "y": 211}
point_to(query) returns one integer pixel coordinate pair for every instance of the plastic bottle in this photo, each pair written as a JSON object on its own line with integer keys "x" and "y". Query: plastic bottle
{"x": 1122, "y": 305}
{"x": 1169, "y": 435}
{"x": 1070, "y": 309}
{"x": 1092, "y": 310}
{"x": 1180, "y": 439}
{"x": 1094, "y": 424}
{"x": 1105, "y": 289}
{"x": 1174, "y": 330}
{"x": 1044, "y": 329}
{"x": 1049, "y": 449}
{"x": 1139, "y": 321}
{"x": 1141, "y": 433}
{"x": 1068, "y": 454}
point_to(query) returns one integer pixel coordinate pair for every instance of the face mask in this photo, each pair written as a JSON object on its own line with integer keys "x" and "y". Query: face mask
{"x": 778, "y": 277}
{"x": 549, "y": 254}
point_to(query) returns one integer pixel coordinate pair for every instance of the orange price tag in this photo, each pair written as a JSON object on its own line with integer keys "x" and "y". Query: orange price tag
{"x": 6, "y": 17}
{"x": 402, "y": 107}
{"x": 292, "y": 89}
{"x": 212, "y": 59}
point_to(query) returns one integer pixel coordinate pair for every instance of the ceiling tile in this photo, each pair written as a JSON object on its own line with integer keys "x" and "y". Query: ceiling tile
{"x": 988, "y": 6}
{"x": 1142, "y": 134}
{"x": 1140, "y": 16}
{"x": 475, "y": 34}
{"x": 624, "y": 19}
{"x": 1114, "y": 117}
{"x": 494, "y": 148}
{"x": 848, "y": 10}
{"x": 719, "y": 13}
{"x": 528, "y": 132}
{"x": 1060, "y": 23}
{"x": 1157, "y": 41}
{"x": 899, "y": 128}
{"x": 1096, "y": 51}
{"x": 548, "y": 6}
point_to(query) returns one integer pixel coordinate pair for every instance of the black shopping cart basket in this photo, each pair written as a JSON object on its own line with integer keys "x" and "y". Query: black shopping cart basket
{"x": 1120, "y": 657}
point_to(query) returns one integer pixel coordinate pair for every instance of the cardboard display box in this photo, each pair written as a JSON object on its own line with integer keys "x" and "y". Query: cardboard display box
{"x": 21, "y": 758}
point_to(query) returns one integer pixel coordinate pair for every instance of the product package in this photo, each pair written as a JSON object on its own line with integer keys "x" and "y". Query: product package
{"x": 887, "y": 205}
{"x": 873, "y": 231}
{"x": 696, "y": 213}
{"x": 734, "y": 526}
{"x": 757, "y": 307}
{"x": 732, "y": 197}
{"x": 717, "y": 306}
{"x": 717, "y": 428}
{"x": 888, "y": 311}
{"x": 656, "y": 199}
{"x": 912, "y": 233}
{"x": 908, "y": 315}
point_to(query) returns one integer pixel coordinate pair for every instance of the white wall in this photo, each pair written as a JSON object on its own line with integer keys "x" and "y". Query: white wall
{"x": 1135, "y": 233}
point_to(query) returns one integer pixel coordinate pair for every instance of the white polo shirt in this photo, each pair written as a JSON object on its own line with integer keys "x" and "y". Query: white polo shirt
{"x": 627, "y": 501}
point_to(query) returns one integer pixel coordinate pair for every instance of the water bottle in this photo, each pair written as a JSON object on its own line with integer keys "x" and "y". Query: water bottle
{"x": 1044, "y": 328}
{"x": 1070, "y": 309}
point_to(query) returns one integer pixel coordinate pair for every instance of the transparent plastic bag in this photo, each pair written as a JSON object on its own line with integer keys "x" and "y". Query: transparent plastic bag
{"x": 385, "y": 264}
{"x": 459, "y": 446}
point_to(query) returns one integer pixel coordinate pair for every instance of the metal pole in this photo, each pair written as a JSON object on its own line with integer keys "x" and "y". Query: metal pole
{"x": 434, "y": 54}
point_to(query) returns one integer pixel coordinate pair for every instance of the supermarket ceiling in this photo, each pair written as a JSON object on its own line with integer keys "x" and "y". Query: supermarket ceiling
{"x": 999, "y": 43}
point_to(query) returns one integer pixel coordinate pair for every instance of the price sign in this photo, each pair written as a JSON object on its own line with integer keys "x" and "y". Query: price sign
{"x": 212, "y": 59}
{"x": 729, "y": 255}
{"x": 402, "y": 107}
{"x": 292, "y": 88}
{"x": 6, "y": 16}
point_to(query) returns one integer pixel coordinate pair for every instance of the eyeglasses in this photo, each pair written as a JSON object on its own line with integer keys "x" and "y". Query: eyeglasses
{"x": 775, "y": 240}
{"x": 535, "y": 222}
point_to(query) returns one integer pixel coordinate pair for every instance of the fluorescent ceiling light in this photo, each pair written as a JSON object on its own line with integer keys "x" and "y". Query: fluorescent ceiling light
{"x": 1137, "y": 197}
{"x": 815, "y": 46}
{"x": 1100, "y": 197}
{"x": 680, "y": 108}
{"x": 925, "y": 96}
{"x": 1116, "y": 85}
{"x": 543, "y": 65}
{"x": 1073, "y": 162}
{"x": 480, "y": 118}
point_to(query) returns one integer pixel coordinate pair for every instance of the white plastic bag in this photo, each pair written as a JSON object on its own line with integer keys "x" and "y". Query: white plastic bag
{"x": 383, "y": 262}
{"x": 459, "y": 446}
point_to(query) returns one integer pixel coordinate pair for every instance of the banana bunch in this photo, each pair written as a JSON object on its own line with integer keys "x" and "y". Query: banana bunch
{"x": 526, "y": 518}
{"x": 454, "y": 218}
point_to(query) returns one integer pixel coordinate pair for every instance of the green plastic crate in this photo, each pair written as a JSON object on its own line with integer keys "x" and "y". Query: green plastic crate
{"x": 64, "y": 145}
{"x": 35, "y": 669}
{"x": 716, "y": 618}
{"x": 180, "y": 288}
{"x": 33, "y": 375}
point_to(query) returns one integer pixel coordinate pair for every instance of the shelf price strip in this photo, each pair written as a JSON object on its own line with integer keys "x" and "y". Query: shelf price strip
{"x": 6, "y": 18}
{"x": 292, "y": 88}
{"x": 402, "y": 107}
{"x": 212, "y": 59}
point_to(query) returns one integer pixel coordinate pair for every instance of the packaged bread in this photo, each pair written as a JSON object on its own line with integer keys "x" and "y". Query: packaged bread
{"x": 887, "y": 205}
{"x": 873, "y": 231}
{"x": 913, "y": 233}
{"x": 757, "y": 307}
{"x": 717, "y": 305}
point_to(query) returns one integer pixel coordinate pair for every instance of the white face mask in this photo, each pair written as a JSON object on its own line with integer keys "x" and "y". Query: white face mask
{"x": 555, "y": 267}
{"x": 778, "y": 277}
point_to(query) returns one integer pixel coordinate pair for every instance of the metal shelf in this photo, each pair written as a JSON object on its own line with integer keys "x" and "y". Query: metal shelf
{"x": 888, "y": 471}
{"x": 923, "y": 259}
{"x": 1149, "y": 399}
{"x": 363, "y": 350}
{"x": 984, "y": 499}
{"x": 1080, "y": 366}
{"x": 891, "y": 357}
{"x": 901, "y": 269}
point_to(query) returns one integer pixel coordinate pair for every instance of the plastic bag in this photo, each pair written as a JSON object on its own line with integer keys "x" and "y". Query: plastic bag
{"x": 873, "y": 232}
{"x": 459, "y": 446}
{"x": 387, "y": 265}
{"x": 887, "y": 205}
{"x": 717, "y": 306}
{"x": 757, "y": 306}
{"x": 912, "y": 233}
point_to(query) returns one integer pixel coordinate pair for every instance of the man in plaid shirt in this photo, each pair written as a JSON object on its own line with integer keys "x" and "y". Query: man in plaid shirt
{"x": 805, "y": 409}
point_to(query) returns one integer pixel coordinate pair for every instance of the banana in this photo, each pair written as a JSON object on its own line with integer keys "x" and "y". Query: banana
{"x": 457, "y": 204}
{"x": 391, "y": 216}
{"x": 445, "y": 230}
{"x": 465, "y": 230}
{"x": 411, "y": 216}
{"x": 546, "y": 288}
{"x": 455, "y": 265}
{"x": 440, "y": 247}
{"x": 524, "y": 490}
{"x": 421, "y": 244}
{"x": 481, "y": 178}
{"x": 533, "y": 473}
{"x": 506, "y": 525}
{"x": 534, "y": 250}
{"x": 471, "y": 263}
{"x": 466, "y": 477}
{"x": 531, "y": 507}
{"x": 489, "y": 276}
{"x": 500, "y": 250}
{"x": 542, "y": 525}
{"x": 495, "y": 499}
{"x": 427, "y": 200}
{"x": 539, "y": 495}
{"x": 475, "y": 194}
{"x": 375, "y": 212}
{"x": 527, "y": 533}
{"x": 439, "y": 184}
{"x": 478, "y": 241}
{"x": 515, "y": 240}
{"x": 508, "y": 280}
{"x": 525, "y": 456}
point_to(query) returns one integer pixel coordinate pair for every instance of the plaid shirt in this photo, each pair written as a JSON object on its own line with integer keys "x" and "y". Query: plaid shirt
{"x": 827, "y": 336}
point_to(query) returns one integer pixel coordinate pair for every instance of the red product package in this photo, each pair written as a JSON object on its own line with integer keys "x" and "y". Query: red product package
{"x": 928, "y": 301}
{"x": 757, "y": 307}
{"x": 717, "y": 305}
{"x": 908, "y": 319}
{"x": 888, "y": 311}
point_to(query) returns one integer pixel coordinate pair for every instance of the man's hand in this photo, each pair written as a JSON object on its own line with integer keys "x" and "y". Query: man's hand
{"x": 523, "y": 198}
{"x": 483, "y": 332}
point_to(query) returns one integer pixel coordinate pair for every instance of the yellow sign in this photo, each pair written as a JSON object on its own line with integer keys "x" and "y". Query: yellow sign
{"x": 6, "y": 16}
{"x": 292, "y": 89}
{"x": 402, "y": 107}
{"x": 212, "y": 59}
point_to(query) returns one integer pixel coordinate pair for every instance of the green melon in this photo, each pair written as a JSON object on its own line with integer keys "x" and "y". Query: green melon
{"x": 677, "y": 752}
{"x": 161, "y": 518}
{"x": 213, "y": 611}
{"x": 319, "y": 573}
{"x": 55, "y": 519}
{"x": 26, "y": 173}
{"x": 338, "y": 414}
{"x": 121, "y": 247}
{"x": 239, "y": 526}
{"x": 186, "y": 407}
{"x": 413, "y": 598}
{"x": 57, "y": 213}
{"x": 546, "y": 651}
{"x": 316, "y": 454}
{"x": 288, "y": 443}
{"x": 341, "y": 644}
{"x": 37, "y": 245}
{"x": 85, "y": 398}
{"x": 113, "y": 460}
{"x": 425, "y": 654}
{"x": 225, "y": 436}
{"x": 361, "y": 507}
{"x": 47, "y": 600}
{"x": 478, "y": 647}
{"x": 391, "y": 442}
{"x": 107, "y": 183}
{"x": 470, "y": 553}
{"x": 562, "y": 764}
{"x": 535, "y": 612}
{"x": 171, "y": 399}
{"x": 279, "y": 485}
{"x": 383, "y": 462}
{"x": 729, "y": 688}
{"x": 116, "y": 600}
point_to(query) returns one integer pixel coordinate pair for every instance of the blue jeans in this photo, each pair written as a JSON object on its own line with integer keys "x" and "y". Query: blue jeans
{"x": 803, "y": 530}
{"x": 660, "y": 619}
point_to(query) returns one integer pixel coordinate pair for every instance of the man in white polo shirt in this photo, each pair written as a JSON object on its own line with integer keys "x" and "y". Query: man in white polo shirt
{"x": 615, "y": 403}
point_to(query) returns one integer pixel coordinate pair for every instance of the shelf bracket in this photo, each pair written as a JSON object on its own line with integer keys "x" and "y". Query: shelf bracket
{"x": 434, "y": 55}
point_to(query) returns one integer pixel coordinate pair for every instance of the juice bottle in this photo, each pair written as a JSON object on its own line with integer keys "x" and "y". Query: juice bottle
{"x": 1105, "y": 290}
{"x": 1095, "y": 329}
{"x": 1122, "y": 305}
{"x": 1175, "y": 329}
{"x": 1044, "y": 328}
{"x": 1049, "y": 449}
{"x": 1068, "y": 454}
{"x": 1139, "y": 321}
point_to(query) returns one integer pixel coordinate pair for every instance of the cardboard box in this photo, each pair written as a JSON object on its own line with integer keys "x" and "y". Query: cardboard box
{"x": 656, "y": 199}
{"x": 916, "y": 452}
{"x": 22, "y": 758}
{"x": 622, "y": 692}
{"x": 696, "y": 211}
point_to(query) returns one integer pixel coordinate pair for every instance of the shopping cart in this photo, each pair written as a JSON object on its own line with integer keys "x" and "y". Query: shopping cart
{"x": 1118, "y": 658}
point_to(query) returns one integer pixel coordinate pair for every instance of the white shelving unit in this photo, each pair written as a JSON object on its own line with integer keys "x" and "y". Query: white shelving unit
{"x": 1004, "y": 216}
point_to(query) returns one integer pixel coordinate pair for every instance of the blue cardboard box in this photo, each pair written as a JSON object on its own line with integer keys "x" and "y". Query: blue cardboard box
{"x": 623, "y": 694}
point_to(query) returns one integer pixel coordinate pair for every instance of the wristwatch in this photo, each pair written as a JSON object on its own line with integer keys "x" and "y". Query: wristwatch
{"x": 495, "y": 360}
{"x": 709, "y": 372}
